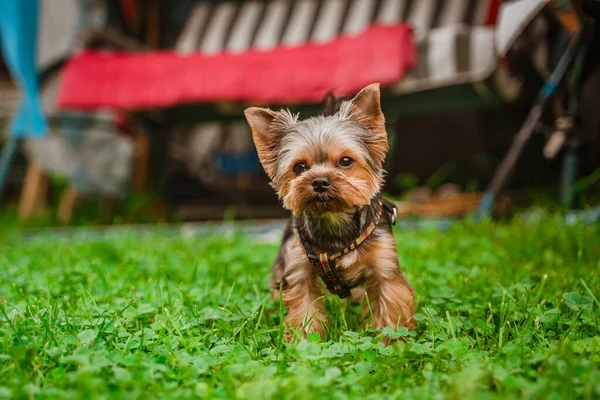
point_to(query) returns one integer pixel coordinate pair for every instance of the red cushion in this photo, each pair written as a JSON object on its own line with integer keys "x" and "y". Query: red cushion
{"x": 305, "y": 73}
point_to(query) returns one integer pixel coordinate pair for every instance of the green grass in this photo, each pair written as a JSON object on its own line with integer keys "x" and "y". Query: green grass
{"x": 504, "y": 310}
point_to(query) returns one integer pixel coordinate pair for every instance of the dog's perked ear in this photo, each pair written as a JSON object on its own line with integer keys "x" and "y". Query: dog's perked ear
{"x": 366, "y": 109}
{"x": 268, "y": 128}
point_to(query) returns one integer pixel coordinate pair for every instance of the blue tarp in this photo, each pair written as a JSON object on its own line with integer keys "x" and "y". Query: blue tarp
{"x": 18, "y": 39}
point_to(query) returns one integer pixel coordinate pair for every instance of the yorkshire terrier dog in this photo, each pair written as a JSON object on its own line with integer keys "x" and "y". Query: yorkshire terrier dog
{"x": 328, "y": 171}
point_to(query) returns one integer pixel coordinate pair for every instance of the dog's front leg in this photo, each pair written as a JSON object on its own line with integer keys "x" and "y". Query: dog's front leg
{"x": 301, "y": 297}
{"x": 390, "y": 296}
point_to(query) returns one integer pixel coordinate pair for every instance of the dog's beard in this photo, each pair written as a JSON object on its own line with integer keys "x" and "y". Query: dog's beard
{"x": 322, "y": 204}
{"x": 344, "y": 194}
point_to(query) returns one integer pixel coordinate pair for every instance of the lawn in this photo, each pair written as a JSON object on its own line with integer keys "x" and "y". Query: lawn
{"x": 505, "y": 310}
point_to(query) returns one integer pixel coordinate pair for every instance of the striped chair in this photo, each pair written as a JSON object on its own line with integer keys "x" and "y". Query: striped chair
{"x": 455, "y": 38}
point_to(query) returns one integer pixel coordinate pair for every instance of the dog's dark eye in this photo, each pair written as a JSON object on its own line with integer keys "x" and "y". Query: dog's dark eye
{"x": 300, "y": 168}
{"x": 346, "y": 162}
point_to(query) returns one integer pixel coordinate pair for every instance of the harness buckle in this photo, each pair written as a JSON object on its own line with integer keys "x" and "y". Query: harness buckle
{"x": 313, "y": 257}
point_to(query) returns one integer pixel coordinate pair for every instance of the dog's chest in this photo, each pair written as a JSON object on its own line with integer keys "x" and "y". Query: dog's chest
{"x": 352, "y": 268}
{"x": 378, "y": 256}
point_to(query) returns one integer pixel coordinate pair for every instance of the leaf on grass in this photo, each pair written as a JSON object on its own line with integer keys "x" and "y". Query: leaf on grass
{"x": 333, "y": 373}
{"x": 145, "y": 311}
{"x": 418, "y": 348}
{"x": 220, "y": 349}
{"x": 314, "y": 337}
{"x": 121, "y": 374}
{"x": 329, "y": 353}
{"x": 419, "y": 317}
{"x": 589, "y": 345}
{"x": 5, "y": 393}
{"x": 364, "y": 368}
{"x": 80, "y": 357}
{"x": 365, "y": 346}
{"x": 86, "y": 337}
{"x": 402, "y": 331}
{"x": 70, "y": 340}
{"x": 575, "y": 301}
{"x": 53, "y": 352}
{"x": 388, "y": 330}
{"x": 386, "y": 351}
{"x": 371, "y": 355}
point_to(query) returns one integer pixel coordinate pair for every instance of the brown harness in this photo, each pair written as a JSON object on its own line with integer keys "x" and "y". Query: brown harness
{"x": 327, "y": 263}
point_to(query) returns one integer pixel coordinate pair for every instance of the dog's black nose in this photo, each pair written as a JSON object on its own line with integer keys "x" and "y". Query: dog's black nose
{"x": 320, "y": 184}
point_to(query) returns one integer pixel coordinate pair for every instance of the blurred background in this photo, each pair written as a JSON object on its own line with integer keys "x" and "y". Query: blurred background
{"x": 128, "y": 111}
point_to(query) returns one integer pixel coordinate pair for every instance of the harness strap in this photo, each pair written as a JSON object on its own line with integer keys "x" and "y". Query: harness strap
{"x": 391, "y": 209}
{"x": 326, "y": 262}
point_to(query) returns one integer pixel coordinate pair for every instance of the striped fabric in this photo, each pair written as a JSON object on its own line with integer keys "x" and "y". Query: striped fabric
{"x": 347, "y": 63}
{"x": 455, "y": 38}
